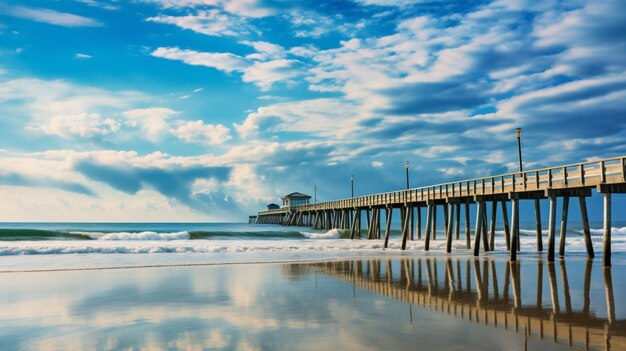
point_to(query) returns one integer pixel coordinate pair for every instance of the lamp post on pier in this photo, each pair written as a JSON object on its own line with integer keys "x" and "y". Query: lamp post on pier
{"x": 406, "y": 166}
{"x": 352, "y": 184}
{"x": 315, "y": 193}
{"x": 518, "y": 135}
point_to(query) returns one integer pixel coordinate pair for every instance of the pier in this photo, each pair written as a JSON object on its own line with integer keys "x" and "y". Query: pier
{"x": 476, "y": 291}
{"x": 577, "y": 181}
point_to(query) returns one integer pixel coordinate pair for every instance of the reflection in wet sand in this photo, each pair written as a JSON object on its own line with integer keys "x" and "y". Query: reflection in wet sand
{"x": 437, "y": 284}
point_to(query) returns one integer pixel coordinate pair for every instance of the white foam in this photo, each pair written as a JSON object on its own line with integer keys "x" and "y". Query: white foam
{"x": 331, "y": 234}
{"x": 136, "y": 236}
{"x": 614, "y": 230}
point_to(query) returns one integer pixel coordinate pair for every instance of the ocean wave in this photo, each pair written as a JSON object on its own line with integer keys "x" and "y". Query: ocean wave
{"x": 331, "y": 234}
{"x": 37, "y": 235}
{"x": 614, "y": 230}
{"x": 137, "y": 236}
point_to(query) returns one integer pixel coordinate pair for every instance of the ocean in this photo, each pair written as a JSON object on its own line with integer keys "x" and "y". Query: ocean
{"x": 121, "y": 244}
{"x": 230, "y": 286}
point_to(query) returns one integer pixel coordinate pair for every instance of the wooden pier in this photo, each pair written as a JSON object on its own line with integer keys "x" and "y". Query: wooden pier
{"x": 474, "y": 290}
{"x": 606, "y": 176}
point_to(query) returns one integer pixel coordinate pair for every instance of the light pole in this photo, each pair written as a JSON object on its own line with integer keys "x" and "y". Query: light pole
{"x": 352, "y": 184}
{"x": 518, "y": 135}
{"x": 315, "y": 191}
{"x": 406, "y": 166}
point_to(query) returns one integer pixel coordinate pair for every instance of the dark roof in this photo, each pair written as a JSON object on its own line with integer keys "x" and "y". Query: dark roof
{"x": 296, "y": 195}
{"x": 273, "y": 205}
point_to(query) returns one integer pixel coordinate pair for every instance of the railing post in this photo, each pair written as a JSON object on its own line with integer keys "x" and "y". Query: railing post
{"x": 582, "y": 174}
{"x": 513, "y": 182}
{"x": 550, "y": 178}
{"x": 565, "y": 176}
{"x": 602, "y": 172}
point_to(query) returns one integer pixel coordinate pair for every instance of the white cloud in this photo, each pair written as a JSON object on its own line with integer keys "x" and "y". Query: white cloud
{"x": 265, "y": 50}
{"x": 200, "y": 133}
{"x": 152, "y": 121}
{"x": 244, "y": 8}
{"x": 82, "y": 56}
{"x": 377, "y": 164}
{"x": 49, "y": 16}
{"x": 83, "y": 125}
{"x": 265, "y": 74}
{"x": 211, "y": 22}
{"x": 64, "y": 109}
{"x": 226, "y": 62}
{"x": 317, "y": 116}
{"x": 262, "y": 73}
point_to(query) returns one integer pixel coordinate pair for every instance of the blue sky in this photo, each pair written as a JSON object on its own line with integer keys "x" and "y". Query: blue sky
{"x": 194, "y": 110}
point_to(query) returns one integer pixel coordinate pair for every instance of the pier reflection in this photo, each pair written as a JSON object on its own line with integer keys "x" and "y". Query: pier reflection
{"x": 499, "y": 294}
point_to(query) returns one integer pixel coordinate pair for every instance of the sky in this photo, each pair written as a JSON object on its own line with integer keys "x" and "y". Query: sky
{"x": 207, "y": 110}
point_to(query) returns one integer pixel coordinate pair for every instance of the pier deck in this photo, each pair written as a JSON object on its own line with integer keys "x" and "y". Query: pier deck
{"x": 606, "y": 176}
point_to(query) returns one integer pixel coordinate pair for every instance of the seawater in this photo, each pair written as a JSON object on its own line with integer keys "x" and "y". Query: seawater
{"x": 40, "y": 246}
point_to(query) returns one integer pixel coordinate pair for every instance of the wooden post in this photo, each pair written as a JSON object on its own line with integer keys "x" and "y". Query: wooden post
{"x": 606, "y": 256}
{"x": 358, "y": 224}
{"x": 538, "y": 225}
{"x": 563, "y": 226}
{"x": 411, "y": 222}
{"x": 434, "y": 222}
{"x": 484, "y": 236}
{"x": 492, "y": 226}
{"x": 419, "y": 222}
{"x": 388, "y": 225}
{"x": 369, "y": 223}
{"x": 354, "y": 221}
{"x": 586, "y": 231}
{"x": 445, "y": 208}
{"x": 429, "y": 217}
{"x": 551, "y": 225}
{"x": 378, "y": 224}
{"x": 515, "y": 222}
{"x": 405, "y": 227}
{"x": 457, "y": 229}
{"x": 505, "y": 223}
{"x": 450, "y": 221}
{"x": 479, "y": 224}
{"x": 467, "y": 224}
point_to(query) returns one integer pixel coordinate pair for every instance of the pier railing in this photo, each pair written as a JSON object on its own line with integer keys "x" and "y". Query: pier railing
{"x": 578, "y": 175}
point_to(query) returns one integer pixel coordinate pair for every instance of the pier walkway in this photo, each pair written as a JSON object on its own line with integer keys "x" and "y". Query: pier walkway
{"x": 606, "y": 176}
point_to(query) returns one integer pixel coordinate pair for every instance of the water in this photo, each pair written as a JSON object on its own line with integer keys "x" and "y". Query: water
{"x": 392, "y": 303}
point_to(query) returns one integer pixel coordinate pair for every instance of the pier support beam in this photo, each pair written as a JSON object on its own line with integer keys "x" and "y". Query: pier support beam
{"x": 419, "y": 222}
{"x": 467, "y": 224}
{"x": 389, "y": 212}
{"x": 429, "y": 218}
{"x": 457, "y": 224}
{"x": 515, "y": 222}
{"x": 479, "y": 225}
{"x": 450, "y": 221}
{"x": 538, "y": 226}
{"x": 492, "y": 226}
{"x": 434, "y": 222}
{"x": 505, "y": 224}
{"x": 551, "y": 225}
{"x": 606, "y": 250}
{"x": 405, "y": 225}
{"x": 586, "y": 231}
{"x": 563, "y": 226}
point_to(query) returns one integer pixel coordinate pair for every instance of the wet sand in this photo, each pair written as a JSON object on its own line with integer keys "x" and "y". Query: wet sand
{"x": 394, "y": 303}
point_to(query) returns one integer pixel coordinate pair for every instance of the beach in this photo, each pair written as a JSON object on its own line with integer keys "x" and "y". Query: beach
{"x": 244, "y": 287}
{"x": 360, "y": 304}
